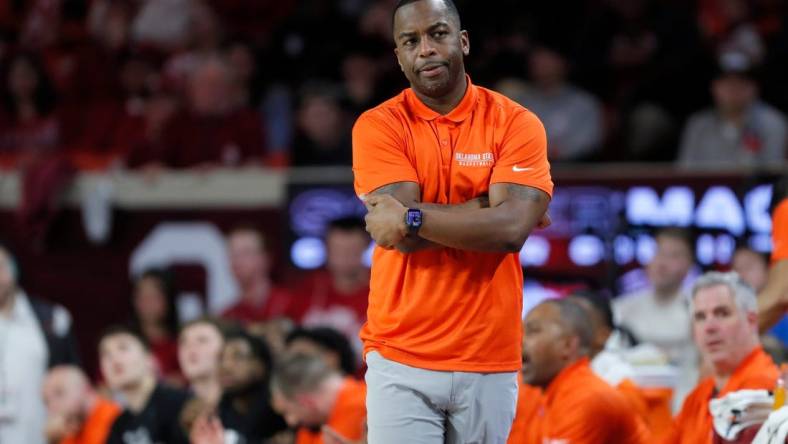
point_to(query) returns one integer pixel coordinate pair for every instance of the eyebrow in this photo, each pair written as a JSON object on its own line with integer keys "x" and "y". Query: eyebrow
{"x": 430, "y": 28}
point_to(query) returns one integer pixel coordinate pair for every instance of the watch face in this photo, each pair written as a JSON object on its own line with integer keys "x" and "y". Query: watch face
{"x": 414, "y": 218}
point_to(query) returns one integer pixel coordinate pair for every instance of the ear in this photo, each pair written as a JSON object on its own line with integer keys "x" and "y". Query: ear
{"x": 752, "y": 319}
{"x": 572, "y": 347}
{"x": 465, "y": 42}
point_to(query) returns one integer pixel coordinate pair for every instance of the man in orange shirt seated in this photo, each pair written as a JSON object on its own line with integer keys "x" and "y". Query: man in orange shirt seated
{"x": 318, "y": 400}
{"x": 577, "y": 406}
{"x": 77, "y": 415}
{"x": 725, "y": 327}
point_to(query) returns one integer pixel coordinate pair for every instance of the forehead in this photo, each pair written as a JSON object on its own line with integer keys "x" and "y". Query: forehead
{"x": 420, "y": 15}
{"x": 200, "y": 329}
{"x": 119, "y": 339}
{"x": 710, "y": 297}
{"x": 542, "y": 313}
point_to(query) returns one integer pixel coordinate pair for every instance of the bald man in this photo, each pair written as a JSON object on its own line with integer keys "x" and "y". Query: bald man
{"x": 76, "y": 414}
{"x": 577, "y": 406}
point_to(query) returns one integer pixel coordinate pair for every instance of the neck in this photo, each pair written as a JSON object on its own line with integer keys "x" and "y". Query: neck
{"x": 722, "y": 372}
{"x": 550, "y": 88}
{"x": 153, "y": 330}
{"x": 139, "y": 394}
{"x": 666, "y": 294}
{"x": 7, "y": 301}
{"x": 256, "y": 291}
{"x": 734, "y": 116}
{"x": 448, "y": 102}
{"x": 207, "y": 389}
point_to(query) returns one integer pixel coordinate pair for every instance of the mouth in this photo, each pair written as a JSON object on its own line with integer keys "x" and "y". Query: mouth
{"x": 432, "y": 69}
{"x": 715, "y": 344}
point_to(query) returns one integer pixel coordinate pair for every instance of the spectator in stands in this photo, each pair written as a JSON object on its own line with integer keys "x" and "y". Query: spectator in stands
{"x": 151, "y": 409}
{"x": 571, "y": 116}
{"x": 212, "y": 131}
{"x": 751, "y": 266}
{"x": 322, "y": 134}
{"x": 577, "y": 406}
{"x": 200, "y": 345}
{"x": 245, "y": 406}
{"x": 204, "y": 37}
{"x": 328, "y": 344}
{"x": 77, "y": 414}
{"x": 659, "y": 315}
{"x": 740, "y": 130}
{"x": 725, "y": 328}
{"x": 337, "y": 296}
{"x": 259, "y": 299}
{"x": 360, "y": 74}
{"x": 155, "y": 317}
{"x": 36, "y": 336}
{"x": 315, "y": 398}
{"x": 28, "y": 122}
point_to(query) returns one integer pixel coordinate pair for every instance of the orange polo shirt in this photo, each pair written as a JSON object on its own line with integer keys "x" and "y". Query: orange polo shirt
{"x": 347, "y": 417}
{"x": 448, "y": 309}
{"x": 529, "y": 406}
{"x": 780, "y": 232}
{"x": 581, "y": 408}
{"x": 694, "y": 424}
{"x": 97, "y": 425}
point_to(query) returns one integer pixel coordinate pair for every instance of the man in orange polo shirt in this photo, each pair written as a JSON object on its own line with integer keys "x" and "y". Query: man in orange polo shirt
{"x": 725, "y": 329}
{"x": 77, "y": 414}
{"x": 577, "y": 406}
{"x": 314, "y": 397}
{"x": 455, "y": 177}
{"x": 773, "y": 299}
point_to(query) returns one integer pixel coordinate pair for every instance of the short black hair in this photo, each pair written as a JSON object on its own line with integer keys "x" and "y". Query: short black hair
{"x": 681, "y": 234}
{"x": 330, "y": 339}
{"x": 453, "y": 11}
{"x": 575, "y": 319}
{"x": 600, "y": 303}
{"x": 124, "y": 329}
{"x": 260, "y": 349}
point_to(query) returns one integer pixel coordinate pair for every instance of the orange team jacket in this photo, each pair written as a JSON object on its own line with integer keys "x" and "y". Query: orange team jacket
{"x": 448, "y": 309}
{"x": 97, "y": 425}
{"x": 347, "y": 417}
{"x": 579, "y": 407}
{"x": 780, "y": 232}
{"x": 529, "y": 404}
{"x": 694, "y": 425}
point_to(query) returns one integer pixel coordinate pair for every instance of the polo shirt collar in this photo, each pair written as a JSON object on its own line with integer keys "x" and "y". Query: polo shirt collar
{"x": 460, "y": 112}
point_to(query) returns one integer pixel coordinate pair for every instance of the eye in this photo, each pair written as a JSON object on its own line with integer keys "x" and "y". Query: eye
{"x": 439, "y": 34}
{"x": 409, "y": 42}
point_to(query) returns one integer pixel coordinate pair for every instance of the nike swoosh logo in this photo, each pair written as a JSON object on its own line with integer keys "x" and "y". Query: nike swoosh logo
{"x": 520, "y": 170}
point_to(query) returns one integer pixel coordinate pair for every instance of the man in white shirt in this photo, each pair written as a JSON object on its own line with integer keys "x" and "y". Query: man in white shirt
{"x": 660, "y": 315}
{"x": 33, "y": 336}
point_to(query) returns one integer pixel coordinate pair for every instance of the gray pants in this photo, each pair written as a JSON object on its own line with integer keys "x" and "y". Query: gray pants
{"x": 413, "y": 405}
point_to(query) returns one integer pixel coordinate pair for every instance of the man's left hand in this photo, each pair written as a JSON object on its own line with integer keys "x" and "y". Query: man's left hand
{"x": 385, "y": 220}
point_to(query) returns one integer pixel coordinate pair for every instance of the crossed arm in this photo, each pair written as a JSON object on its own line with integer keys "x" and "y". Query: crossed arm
{"x": 498, "y": 223}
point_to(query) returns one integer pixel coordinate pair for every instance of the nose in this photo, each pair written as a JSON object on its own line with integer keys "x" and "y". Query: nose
{"x": 426, "y": 49}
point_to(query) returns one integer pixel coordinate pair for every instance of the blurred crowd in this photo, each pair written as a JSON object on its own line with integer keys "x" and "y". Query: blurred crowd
{"x": 200, "y": 83}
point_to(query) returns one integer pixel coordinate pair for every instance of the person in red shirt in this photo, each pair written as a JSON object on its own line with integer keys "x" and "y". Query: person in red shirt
{"x": 155, "y": 317}
{"x": 337, "y": 296}
{"x": 77, "y": 414}
{"x": 212, "y": 131}
{"x": 313, "y": 397}
{"x": 258, "y": 299}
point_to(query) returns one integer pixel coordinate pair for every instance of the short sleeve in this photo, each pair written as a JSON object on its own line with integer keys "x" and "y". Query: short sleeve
{"x": 379, "y": 156}
{"x": 522, "y": 155}
{"x": 780, "y": 232}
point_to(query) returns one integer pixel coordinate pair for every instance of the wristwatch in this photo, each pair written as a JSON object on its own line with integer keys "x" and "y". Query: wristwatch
{"x": 413, "y": 220}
